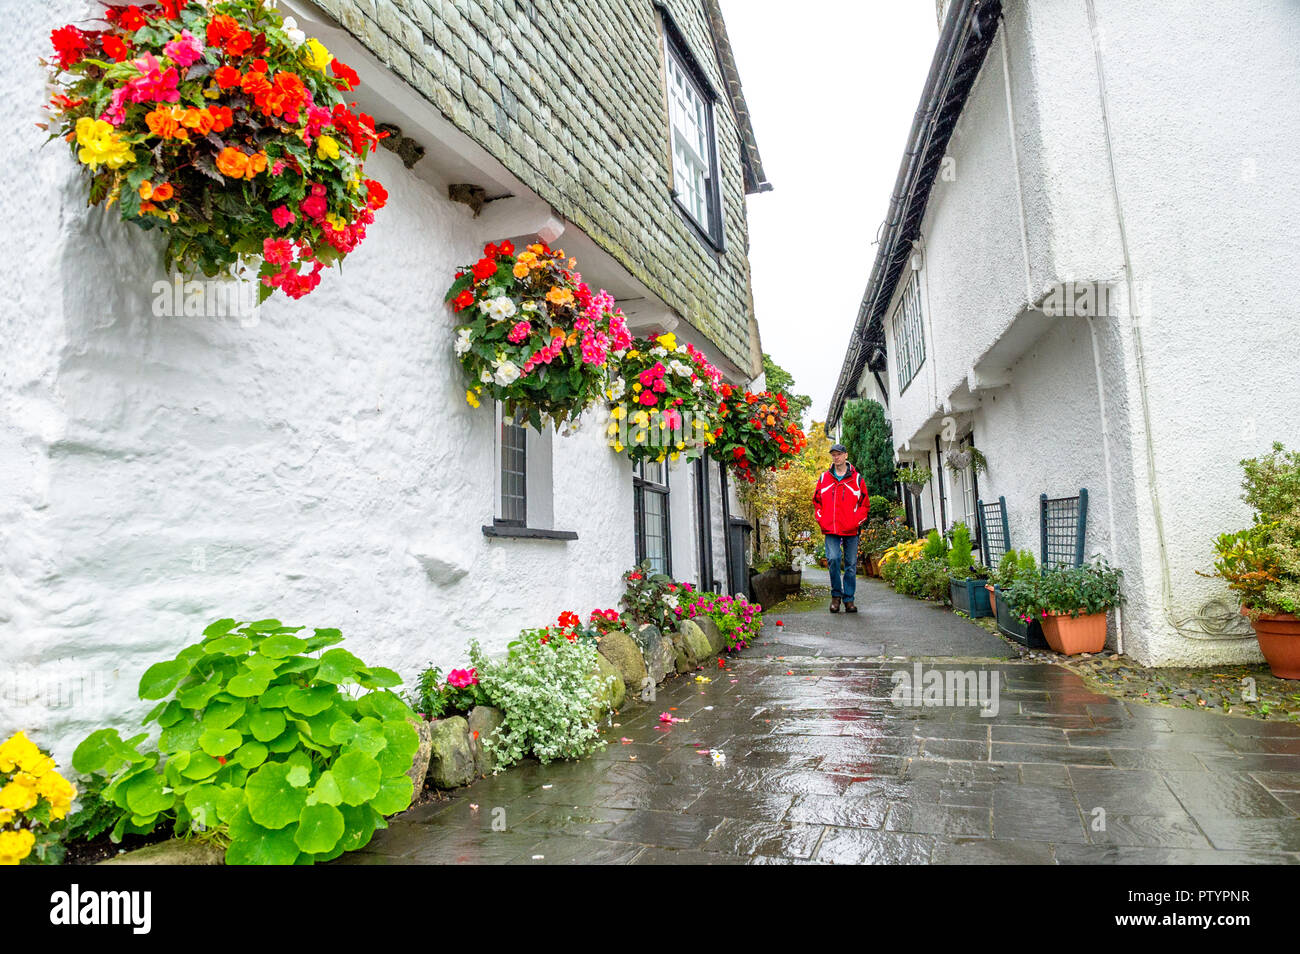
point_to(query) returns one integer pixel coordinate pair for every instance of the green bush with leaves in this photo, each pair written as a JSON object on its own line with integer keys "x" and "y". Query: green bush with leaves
{"x": 926, "y": 578}
{"x": 936, "y": 547}
{"x": 650, "y": 597}
{"x": 1066, "y": 591}
{"x": 271, "y": 744}
{"x": 1014, "y": 565}
{"x": 546, "y": 694}
{"x": 433, "y": 696}
{"x": 960, "y": 558}
{"x": 869, "y": 437}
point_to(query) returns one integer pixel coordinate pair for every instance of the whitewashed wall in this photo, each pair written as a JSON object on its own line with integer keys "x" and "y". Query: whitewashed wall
{"x": 318, "y": 465}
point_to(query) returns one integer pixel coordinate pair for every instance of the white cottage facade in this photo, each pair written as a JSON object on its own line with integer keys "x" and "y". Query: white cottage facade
{"x": 1085, "y": 274}
{"x": 316, "y": 461}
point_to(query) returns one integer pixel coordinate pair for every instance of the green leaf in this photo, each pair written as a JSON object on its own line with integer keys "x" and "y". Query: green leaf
{"x": 201, "y": 802}
{"x": 264, "y": 626}
{"x": 286, "y": 741}
{"x": 198, "y": 696}
{"x": 385, "y": 706}
{"x": 229, "y": 646}
{"x": 395, "y": 793}
{"x": 311, "y": 701}
{"x": 337, "y": 666}
{"x": 171, "y": 713}
{"x": 281, "y": 645}
{"x": 249, "y": 683}
{"x": 319, "y": 828}
{"x": 358, "y": 777}
{"x": 277, "y": 697}
{"x": 267, "y": 724}
{"x": 145, "y": 795}
{"x": 251, "y": 754}
{"x": 365, "y": 736}
{"x": 222, "y": 715}
{"x": 323, "y": 638}
{"x": 361, "y": 822}
{"x": 326, "y": 790}
{"x": 180, "y": 737}
{"x": 220, "y": 628}
{"x": 272, "y": 801}
{"x": 199, "y": 766}
{"x": 254, "y": 844}
{"x": 98, "y": 752}
{"x": 378, "y": 677}
{"x": 161, "y": 678}
{"x": 220, "y": 741}
{"x": 299, "y": 776}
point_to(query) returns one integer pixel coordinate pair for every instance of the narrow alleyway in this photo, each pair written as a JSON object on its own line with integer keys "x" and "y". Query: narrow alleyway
{"x": 820, "y": 766}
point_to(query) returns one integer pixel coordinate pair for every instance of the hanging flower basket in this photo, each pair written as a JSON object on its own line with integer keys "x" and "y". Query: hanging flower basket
{"x": 957, "y": 459}
{"x": 229, "y": 131}
{"x": 756, "y": 433}
{"x": 533, "y": 334}
{"x": 663, "y": 401}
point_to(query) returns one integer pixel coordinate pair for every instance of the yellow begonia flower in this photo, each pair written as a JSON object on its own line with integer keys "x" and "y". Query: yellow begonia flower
{"x": 668, "y": 341}
{"x": 20, "y": 752}
{"x": 15, "y": 845}
{"x": 327, "y": 147}
{"x": 618, "y": 412}
{"x": 472, "y": 398}
{"x": 673, "y": 456}
{"x": 316, "y": 55}
{"x": 618, "y": 447}
{"x": 612, "y": 429}
{"x": 17, "y": 797}
{"x": 100, "y": 145}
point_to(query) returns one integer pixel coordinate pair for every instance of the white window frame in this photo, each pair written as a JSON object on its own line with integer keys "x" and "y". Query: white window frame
{"x": 539, "y": 497}
{"x": 692, "y": 144}
{"x": 909, "y": 334}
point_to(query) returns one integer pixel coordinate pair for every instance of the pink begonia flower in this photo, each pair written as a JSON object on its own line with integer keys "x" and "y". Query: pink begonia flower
{"x": 519, "y": 332}
{"x": 282, "y": 216}
{"x": 185, "y": 51}
{"x": 648, "y": 398}
{"x": 154, "y": 84}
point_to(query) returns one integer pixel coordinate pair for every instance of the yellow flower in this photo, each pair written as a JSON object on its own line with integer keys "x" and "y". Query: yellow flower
{"x": 17, "y": 797}
{"x": 336, "y": 221}
{"x": 633, "y": 353}
{"x": 612, "y": 429}
{"x": 619, "y": 412}
{"x": 520, "y": 270}
{"x": 100, "y": 145}
{"x": 18, "y": 751}
{"x": 58, "y": 791}
{"x": 668, "y": 341}
{"x": 472, "y": 398}
{"x": 327, "y": 147}
{"x": 641, "y": 418}
{"x": 15, "y": 846}
{"x": 680, "y": 446}
{"x": 6, "y": 816}
{"x": 636, "y": 386}
{"x": 618, "y": 447}
{"x": 673, "y": 456}
{"x": 316, "y": 55}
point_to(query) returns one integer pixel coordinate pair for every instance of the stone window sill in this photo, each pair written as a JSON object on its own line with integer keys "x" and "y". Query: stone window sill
{"x": 498, "y": 529}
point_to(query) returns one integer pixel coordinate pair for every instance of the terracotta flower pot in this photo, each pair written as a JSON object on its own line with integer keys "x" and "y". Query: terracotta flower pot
{"x": 1279, "y": 641}
{"x": 993, "y": 598}
{"x": 1082, "y": 634}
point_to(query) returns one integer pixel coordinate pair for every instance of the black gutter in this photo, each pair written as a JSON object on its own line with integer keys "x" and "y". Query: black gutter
{"x": 967, "y": 34}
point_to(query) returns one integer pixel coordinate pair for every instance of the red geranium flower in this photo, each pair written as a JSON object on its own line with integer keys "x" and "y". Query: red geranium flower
{"x": 463, "y": 300}
{"x": 346, "y": 74}
{"x": 507, "y": 248}
{"x": 568, "y": 618}
{"x": 484, "y": 269}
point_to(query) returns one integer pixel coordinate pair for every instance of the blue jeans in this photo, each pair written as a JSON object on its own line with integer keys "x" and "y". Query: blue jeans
{"x": 842, "y": 559}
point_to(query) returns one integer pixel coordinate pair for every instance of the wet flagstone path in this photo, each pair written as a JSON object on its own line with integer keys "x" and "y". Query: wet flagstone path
{"x": 821, "y": 767}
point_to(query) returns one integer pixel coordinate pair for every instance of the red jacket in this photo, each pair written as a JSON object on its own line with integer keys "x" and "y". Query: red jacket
{"x": 841, "y": 506}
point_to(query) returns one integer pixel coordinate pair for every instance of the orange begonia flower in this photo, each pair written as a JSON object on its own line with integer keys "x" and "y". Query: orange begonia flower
{"x": 559, "y": 296}
{"x": 163, "y": 192}
{"x": 200, "y": 120}
{"x": 165, "y": 122}
{"x": 232, "y": 162}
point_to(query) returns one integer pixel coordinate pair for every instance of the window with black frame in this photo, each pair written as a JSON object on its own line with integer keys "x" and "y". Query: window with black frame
{"x": 650, "y": 492}
{"x": 694, "y": 153}
{"x": 514, "y": 481}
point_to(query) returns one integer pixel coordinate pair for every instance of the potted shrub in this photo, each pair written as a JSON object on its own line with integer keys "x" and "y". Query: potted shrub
{"x": 790, "y": 576}
{"x": 1071, "y": 603}
{"x": 966, "y": 577}
{"x": 1262, "y": 563}
{"x": 1015, "y": 564}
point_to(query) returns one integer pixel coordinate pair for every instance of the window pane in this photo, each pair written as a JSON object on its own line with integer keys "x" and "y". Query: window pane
{"x": 656, "y": 530}
{"x": 514, "y": 495}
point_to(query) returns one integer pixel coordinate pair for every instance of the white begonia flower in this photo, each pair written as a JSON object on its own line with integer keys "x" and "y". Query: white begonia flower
{"x": 617, "y": 389}
{"x": 680, "y": 368}
{"x": 296, "y": 37}
{"x": 506, "y": 373}
{"x": 485, "y": 376}
{"x": 463, "y": 341}
{"x": 501, "y": 308}
{"x": 658, "y": 352}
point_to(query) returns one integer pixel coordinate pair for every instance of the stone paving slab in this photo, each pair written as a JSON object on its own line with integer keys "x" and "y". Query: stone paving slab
{"x": 822, "y": 768}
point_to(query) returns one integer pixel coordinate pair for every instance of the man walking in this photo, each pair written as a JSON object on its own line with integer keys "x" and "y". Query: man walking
{"x": 841, "y": 503}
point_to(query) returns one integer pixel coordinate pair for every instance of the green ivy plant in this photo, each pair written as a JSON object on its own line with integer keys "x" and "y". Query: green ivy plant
{"x": 281, "y": 749}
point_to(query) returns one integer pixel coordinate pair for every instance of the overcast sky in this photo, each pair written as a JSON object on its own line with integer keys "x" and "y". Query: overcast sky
{"x": 832, "y": 87}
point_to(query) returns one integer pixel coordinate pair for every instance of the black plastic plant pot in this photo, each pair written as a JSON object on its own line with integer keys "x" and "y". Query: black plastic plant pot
{"x": 1026, "y": 634}
{"x": 970, "y": 597}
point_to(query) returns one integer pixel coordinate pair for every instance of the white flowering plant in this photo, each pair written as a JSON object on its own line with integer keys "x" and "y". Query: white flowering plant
{"x": 533, "y": 335}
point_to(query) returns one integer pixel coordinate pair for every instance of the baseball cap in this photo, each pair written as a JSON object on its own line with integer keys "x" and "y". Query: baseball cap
{"x": 839, "y": 447}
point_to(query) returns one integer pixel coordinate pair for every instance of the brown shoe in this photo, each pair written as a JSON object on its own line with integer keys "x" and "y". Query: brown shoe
{"x": 850, "y": 608}
{"x": 835, "y": 604}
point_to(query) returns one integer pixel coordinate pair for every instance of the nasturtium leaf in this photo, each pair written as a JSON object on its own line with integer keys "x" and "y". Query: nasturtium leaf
{"x": 277, "y": 697}
{"x": 395, "y": 793}
{"x": 254, "y": 844}
{"x": 229, "y": 646}
{"x": 229, "y": 802}
{"x": 365, "y": 736}
{"x": 272, "y": 801}
{"x": 281, "y": 645}
{"x": 384, "y": 705}
{"x": 309, "y": 702}
{"x": 198, "y": 696}
{"x": 266, "y": 724}
{"x": 325, "y": 791}
{"x": 201, "y": 801}
{"x": 397, "y": 756}
{"x": 161, "y": 678}
{"x": 323, "y": 638}
{"x": 220, "y": 627}
{"x": 98, "y": 752}
{"x": 156, "y": 711}
{"x": 320, "y": 726}
{"x": 286, "y": 741}
{"x": 378, "y": 677}
{"x": 248, "y": 683}
{"x": 251, "y": 754}
{"x": 267, "y": 664}
{"x": 319, "y": 828}
{"x": 172, "y": 713}
{"x": 220, "y": 741}
{"x": 358, "y": 776}
{"x": 338, "y": 665}
{"x": 298, "y": 776}
{"x": 199, "y": 766}
{"x": 175, "y": 765}
{"x": 297, "y": 664}
{"x": 263, "y": 626}
{"x": 222, "y": 715}
{"x": 179, "y": 737}
{"x": 361, "y": 822}
{"x": 145, "y": 795}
